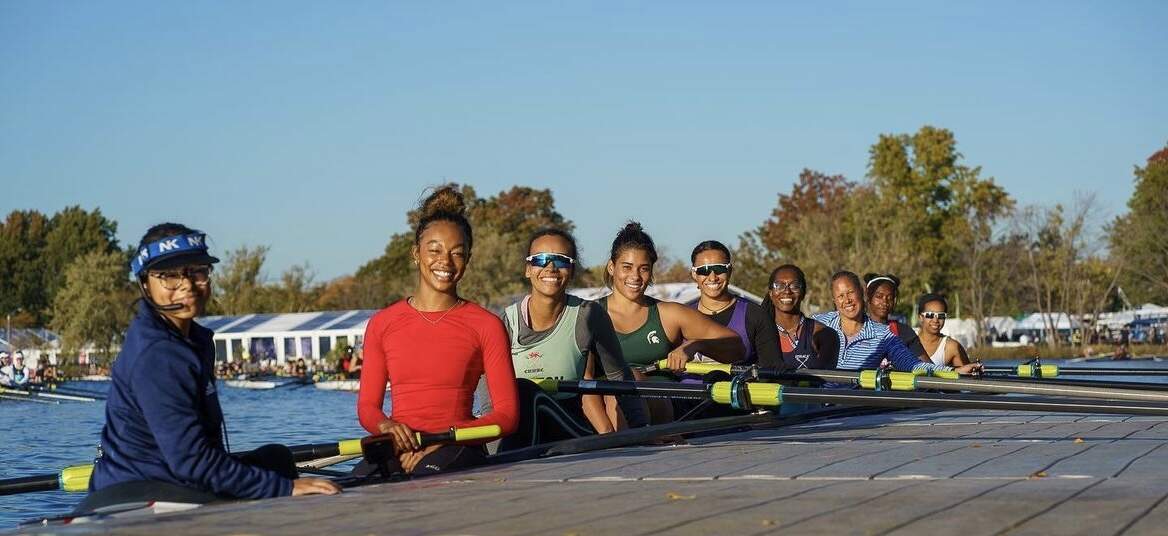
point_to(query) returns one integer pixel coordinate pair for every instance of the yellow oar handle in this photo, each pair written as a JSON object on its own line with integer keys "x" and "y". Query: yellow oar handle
{"x": 761, "y": 394}
{"x": 937, "y": 373}
{"x": 698, "y": 368}
{"x": 1029, "y": 370}
{"x": 897, "y": 381}
{"x": 349, "y": 447}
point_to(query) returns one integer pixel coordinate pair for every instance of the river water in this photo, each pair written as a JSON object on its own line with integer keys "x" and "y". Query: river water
{"x": 44, "y": 438}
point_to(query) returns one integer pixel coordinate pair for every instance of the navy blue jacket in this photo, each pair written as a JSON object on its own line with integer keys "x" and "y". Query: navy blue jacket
{"x": 163, "y": 421}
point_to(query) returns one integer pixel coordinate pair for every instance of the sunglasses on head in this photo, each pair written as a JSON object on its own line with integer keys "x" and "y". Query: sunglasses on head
{"x": 558, "y": 260}
{"x": 707, "y": 269}
{"x": 934, "y": 314}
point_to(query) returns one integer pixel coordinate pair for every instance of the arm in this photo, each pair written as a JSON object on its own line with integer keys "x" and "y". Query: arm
{"x": 496, "y": 352}
{"x": 701, "y": 334}
{"x": 594, "y": 405}
{"x": 371, "y": 396}
{"x": 960, "y": 358}
{"x": 825, "y": 343}
{"x": 168, "y": 391}
{"x": 902, "y": 358}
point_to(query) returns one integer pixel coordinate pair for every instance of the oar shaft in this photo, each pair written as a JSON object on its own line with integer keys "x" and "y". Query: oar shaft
{"x": 953, "y": 401}
{"x": 1040, "y": 388}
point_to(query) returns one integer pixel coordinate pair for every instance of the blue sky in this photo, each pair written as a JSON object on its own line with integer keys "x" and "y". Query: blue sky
{"x": 314, "y": 127}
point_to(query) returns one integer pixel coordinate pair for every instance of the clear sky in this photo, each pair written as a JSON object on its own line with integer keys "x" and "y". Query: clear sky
{"x": 313, "y": 127}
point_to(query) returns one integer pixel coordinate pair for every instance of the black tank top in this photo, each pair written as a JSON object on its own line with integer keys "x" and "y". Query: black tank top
{"x": 803, "y": 356}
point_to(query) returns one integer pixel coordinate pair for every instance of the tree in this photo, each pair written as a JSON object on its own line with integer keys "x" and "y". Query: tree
{"x": 239, "y": 284}
{"x": 22, "y": 270}
{"x": 1138, "y": 237}
{"x": 93, "y": 307}
{"x": 73, "y": 232}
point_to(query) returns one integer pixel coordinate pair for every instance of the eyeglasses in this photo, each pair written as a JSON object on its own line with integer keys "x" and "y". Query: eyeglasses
{"x": 707, "y": 269}
{"x": 172, "y": 279}
{"x": 934, "y": 314}
{"x": 558, "y": 260}
{"x": 793, "y": 287}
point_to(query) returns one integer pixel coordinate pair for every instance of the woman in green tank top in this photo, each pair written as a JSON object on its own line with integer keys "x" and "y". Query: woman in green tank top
{"x": 650, "y": 330}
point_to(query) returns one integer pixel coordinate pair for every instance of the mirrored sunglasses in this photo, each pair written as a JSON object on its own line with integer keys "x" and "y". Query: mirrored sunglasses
{"x": 707, "y": 269}
{"x": 558, "y": 260}
{"x": 933, "y": 314}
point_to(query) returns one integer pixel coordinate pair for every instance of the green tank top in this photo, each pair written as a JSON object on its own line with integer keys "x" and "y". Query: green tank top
{"x": 648, "y": 343}
{"x": 555, "y": 356}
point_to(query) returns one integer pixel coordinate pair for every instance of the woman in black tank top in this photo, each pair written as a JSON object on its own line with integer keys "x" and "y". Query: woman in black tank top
{"x": 803, "y": 342}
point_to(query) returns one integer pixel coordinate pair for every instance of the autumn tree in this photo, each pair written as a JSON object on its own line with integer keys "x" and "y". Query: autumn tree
{"x": 239, "y": 283}
{"x": 1140, "y": 237}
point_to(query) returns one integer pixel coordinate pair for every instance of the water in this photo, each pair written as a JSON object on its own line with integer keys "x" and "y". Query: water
{"x": 44, "y": 438}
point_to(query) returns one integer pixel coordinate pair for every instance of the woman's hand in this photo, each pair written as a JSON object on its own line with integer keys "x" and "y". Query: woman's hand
{"x": 314, "y": 486}
{"x": 972, "y": 368}
{"x": 677, "y": 359}
{"x": 410, "y": 460}
{"x": 403, "y": 436}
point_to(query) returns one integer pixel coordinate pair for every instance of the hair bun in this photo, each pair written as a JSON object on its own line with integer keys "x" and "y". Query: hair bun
{"x": 632, "y": 227}
{"x": 444, "y": 200}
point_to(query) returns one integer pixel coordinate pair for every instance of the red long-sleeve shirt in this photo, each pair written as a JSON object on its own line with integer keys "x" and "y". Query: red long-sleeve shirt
{"x": 433, "y": 369}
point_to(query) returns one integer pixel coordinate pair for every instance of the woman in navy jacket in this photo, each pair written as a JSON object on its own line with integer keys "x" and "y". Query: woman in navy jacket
{"x": 164, "y": 437}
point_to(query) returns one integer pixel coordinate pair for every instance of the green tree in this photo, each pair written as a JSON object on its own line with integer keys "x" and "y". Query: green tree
{"x": 239, "y": 284}
{"x": 22, "y": 270}
{"x": 1140, "y": 237}
{"x": 93, "y": 307}
{"x": 73, "y": 232}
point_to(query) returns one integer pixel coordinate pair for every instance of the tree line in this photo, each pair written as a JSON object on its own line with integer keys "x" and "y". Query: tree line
{"x": 921, "y": 212}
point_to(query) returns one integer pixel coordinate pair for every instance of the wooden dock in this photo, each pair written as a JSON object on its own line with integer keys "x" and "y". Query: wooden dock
{"x": 905, "y": 472}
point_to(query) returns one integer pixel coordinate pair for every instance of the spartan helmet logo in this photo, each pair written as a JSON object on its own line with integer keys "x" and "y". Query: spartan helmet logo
{"x": 653, "y": 338}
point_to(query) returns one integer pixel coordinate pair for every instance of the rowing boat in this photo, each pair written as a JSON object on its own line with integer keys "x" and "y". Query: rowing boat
{"x": 340, "y": 385}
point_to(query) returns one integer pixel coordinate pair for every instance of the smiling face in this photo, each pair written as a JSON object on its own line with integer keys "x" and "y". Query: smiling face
{"x": 441, "y": 256}
{"x": 848, "y": 298}
{"x": 788, "y": 296}
{"x": 933, "y": 325}
{"x": 631, "y": 273}
{"x": 549, "y": 280}
{"x": 712, "y": 285}
{"x": 882, "y": 301}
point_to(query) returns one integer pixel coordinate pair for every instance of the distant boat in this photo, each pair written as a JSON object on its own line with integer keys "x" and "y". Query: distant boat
{"x": 95, "y": 378}
{"x": 343, "y": 385}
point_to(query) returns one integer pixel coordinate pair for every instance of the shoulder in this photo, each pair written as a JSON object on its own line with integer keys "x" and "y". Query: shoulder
{"x": 827, "y": 319}
{"x": 390, "y": 312}
{"x": 480, "y": 318}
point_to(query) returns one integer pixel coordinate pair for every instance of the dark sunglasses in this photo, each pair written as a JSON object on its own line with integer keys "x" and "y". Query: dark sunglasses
{"x": 707, "y": 269}
{"x": 558, "y": 260}
{"x": 933, "y": 314}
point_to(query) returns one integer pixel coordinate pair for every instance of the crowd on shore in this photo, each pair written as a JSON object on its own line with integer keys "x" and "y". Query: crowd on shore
{"x": 16, "y": 373}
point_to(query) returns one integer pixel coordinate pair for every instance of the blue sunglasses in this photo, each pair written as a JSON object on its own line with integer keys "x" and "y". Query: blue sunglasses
{"x": 560, "y": 261}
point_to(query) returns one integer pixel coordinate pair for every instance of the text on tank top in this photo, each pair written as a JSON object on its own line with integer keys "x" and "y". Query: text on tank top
{"x": 738, "y": 324}
{"x": 648, "y": 343}
{"x": 798, "y": 353}
{"x": 555, "y": 356}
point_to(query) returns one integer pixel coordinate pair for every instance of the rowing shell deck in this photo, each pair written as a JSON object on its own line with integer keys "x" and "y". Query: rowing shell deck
{"x": 908, "y": 472}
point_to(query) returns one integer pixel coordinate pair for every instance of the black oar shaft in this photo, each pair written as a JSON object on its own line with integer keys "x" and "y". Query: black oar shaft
{"x": 29, "y": 484}
{"x": 931, "y": 400}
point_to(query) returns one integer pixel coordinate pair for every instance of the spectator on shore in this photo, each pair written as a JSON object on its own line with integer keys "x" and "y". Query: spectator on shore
{"x": 6, "y": 370}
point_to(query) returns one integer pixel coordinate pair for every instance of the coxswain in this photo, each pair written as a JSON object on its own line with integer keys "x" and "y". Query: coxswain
{"x": 164, "y": 437}
{"x": 803, "y": 343}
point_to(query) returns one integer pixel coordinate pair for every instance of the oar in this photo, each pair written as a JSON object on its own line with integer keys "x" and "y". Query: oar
{"x": 1145, "y": 386}
{"x": 1049, "y": 370}
{"x": 76, "y": 477}
{"x": 905, "y": 381}
{"x": 745, "y": 395}
{"x": 27, "y": 399}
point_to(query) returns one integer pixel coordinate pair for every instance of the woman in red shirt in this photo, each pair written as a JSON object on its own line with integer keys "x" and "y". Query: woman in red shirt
{"x": 432, "y": 347}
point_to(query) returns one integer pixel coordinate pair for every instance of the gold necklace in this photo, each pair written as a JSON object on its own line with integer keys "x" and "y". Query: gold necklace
{"x": 713, "y": 312}
{"x": 410, "y": 302}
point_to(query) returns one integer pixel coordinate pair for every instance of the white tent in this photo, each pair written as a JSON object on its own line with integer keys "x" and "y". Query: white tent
{"x": 674, "y": 292}
{"x": 1038, "y": 321}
